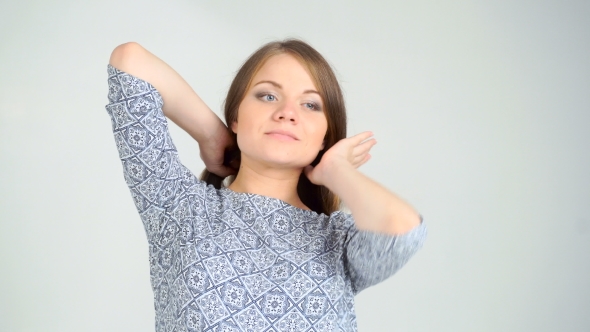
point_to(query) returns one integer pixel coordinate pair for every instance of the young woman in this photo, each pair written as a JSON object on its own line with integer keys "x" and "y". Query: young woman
{"x": 269, "y": 250}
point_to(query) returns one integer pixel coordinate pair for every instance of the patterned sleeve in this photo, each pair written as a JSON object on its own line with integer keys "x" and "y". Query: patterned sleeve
{"x": 151, "y": 166}
{"x": 372, "y": 257}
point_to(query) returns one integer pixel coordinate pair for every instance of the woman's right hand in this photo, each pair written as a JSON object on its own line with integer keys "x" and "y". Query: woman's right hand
{"x": 213, "y": 150}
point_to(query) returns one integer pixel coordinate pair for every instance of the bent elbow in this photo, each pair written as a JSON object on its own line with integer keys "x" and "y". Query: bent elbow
{"x": 124, "y": 54}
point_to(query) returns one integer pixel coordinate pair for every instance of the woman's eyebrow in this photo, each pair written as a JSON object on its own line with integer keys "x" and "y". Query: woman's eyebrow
{"x": 280, "y": 86}
{"x": 311, "y": 91}
{"x": 270, "y": 82}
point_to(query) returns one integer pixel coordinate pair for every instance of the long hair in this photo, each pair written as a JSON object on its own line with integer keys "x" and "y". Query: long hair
{"x": 318, "y": 198}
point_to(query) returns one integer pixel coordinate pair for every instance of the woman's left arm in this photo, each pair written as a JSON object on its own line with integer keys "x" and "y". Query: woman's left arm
{"x": 373, "y": 207}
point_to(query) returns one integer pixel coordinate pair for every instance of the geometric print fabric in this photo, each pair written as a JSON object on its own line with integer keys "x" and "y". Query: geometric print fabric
{"x": 227, "y": 261}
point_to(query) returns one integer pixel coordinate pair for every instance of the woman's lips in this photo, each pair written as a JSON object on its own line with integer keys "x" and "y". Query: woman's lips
{"x": 282, "y": 135}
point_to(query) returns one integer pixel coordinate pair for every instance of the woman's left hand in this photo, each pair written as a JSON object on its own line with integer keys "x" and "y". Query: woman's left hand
{"x": 348, "y": 152}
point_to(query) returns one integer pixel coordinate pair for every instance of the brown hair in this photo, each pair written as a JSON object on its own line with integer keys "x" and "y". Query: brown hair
{"x": 317, "y": 198}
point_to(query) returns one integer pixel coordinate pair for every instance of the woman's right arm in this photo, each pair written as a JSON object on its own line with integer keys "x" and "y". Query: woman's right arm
{"x": 181, "y": 103}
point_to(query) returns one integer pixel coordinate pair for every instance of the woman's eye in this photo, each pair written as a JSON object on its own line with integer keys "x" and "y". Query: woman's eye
{"x": 312, "y": 106}
{"x": 266, "y": 97}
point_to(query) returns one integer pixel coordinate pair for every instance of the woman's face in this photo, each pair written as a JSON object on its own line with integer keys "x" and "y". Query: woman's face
{"x": 281, "y": 122}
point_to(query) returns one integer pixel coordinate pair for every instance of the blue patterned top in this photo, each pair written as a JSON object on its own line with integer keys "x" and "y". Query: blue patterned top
{"x": 227, "y": 261}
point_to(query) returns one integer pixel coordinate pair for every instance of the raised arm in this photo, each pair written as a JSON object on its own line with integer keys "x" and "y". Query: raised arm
{"x": 386, "y": 231}
{"x": 182, "y": 105}
{"x": 373, "y": 207}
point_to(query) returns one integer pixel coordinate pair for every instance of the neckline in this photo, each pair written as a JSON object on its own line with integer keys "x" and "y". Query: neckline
{"x": 309, "y": 213}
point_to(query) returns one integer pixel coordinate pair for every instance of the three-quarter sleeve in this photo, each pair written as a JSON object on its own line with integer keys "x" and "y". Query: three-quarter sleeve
{"x": 151, "y": 166}
{"x": 373, "y": 257}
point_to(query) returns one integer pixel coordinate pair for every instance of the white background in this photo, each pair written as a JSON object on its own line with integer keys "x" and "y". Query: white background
{"x": 481, "y": 110}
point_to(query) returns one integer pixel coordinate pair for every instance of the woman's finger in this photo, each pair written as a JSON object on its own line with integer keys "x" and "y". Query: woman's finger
{"x": 364, "y": 147}
{"x": 222, "y": 170}
{"x": 359, "y": 138}
{"x": 361, "y": 161}
{"x": 357, "y": 160}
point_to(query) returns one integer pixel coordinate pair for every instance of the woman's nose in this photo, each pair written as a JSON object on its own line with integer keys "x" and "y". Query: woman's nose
{"x": 287, "y": 112}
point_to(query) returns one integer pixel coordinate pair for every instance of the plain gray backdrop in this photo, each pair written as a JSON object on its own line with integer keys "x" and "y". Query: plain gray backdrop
{"x": 480, "y": 108}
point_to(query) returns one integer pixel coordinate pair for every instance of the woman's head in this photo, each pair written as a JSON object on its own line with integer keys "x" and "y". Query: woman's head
{"x": 318, "y": 68}
{"x": 333, "y": 112}
{"x": 280, "y": 123}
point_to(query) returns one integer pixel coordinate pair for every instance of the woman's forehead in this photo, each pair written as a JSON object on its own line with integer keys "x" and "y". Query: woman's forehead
{"x": 284, "y": 69}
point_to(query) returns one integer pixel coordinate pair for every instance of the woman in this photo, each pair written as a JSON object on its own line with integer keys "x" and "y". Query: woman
{"x": 269, "y": 252}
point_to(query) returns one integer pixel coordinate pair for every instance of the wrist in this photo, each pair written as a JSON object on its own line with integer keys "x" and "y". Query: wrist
{"x": 337, "y": 174}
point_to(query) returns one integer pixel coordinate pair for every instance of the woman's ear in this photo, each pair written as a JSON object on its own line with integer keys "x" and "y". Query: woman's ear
{"x": 234, "y": 127}
{"x": 323, "y": 145}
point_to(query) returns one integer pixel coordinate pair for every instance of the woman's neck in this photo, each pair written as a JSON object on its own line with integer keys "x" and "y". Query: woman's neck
{"x": 270, "y": 182}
